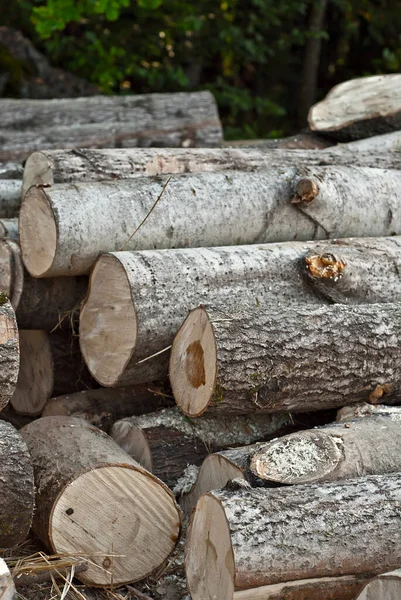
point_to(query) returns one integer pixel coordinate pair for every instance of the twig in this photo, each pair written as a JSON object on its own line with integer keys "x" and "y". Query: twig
{"x": 137, "y": 594}
{"x": 153, "y": 355}
{"x": 151, "y": 210}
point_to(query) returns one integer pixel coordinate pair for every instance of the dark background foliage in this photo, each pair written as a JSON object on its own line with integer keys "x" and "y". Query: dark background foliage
{"x": 266, "y": 61}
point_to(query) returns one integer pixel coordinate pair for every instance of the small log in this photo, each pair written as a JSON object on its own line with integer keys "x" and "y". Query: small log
{"x": 250, "y": 538}
{"x": 327, "y": 588}
{"x": 7, "y": 587}
{"x": 10, "y": 197}
{"x": 16, "y": 487}
{"x": 50, "y": 167}
{"x": 166, "y": 442}
{"x": 35, "y": 377}
{"x": 297, "y": 359}
{"x": 182, "y": 119}
{"x": 98, "y": 501}
{"x": 9, "y": 229}
{"x": 359, "y": 108}
{"x": 103, "y": 406}
{"x": 386, "y": 586}
{"x": 9, "y": 352}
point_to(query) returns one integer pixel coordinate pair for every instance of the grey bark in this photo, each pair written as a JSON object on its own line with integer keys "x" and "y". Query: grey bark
{"x": 182, "y": 119}
{"x": 364, "y": 409}
{"x": 10, "y": 197}
{"x": 9, "y": 229}
{"x": 359, "y": 108}
{"x": 11, "y": 170}
{"x": 9, "y": 353}
{"x": 286, "y": 534}
{"x": 207, "y": 209}
{"x": 304, "y": 358}
{"x": 69, "y": 166}
{"x": 174, "y": 441}
{"x": 103, "y": 406}
{"x": 7, "y": 587}
{"x": 16, "y": 487}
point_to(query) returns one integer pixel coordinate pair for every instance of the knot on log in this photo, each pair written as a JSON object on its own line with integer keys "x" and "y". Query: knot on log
{"x": 378, "y": 392}
{"x": 306, "y": 191}
{"x": 325, "y": 266}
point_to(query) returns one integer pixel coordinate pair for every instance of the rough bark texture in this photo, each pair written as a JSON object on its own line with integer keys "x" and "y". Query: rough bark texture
{"x": 16, "y": 487}
{"x": 182, "y": 119}
{"x": 71, "y": 166}
{"x": 63, "y": 449}
{"x": 247, "y": 208}
{"x": 171, "y": 441}
{"x": 7, "y": 587}
{"x": 103, "y": 406}
{"x": 305, "y": 139}
{"x": 386, "y": 586}
{"x": 9, "y": 353}
{"x": 364, "y": 409}
{"x": 387, "y": 142}
{"x": 70, "y": 372}
{"x": 10, "y": 197}
{"x": 9, "y": 229}
{"x": 286, "y": 534}
{"x": 299, "y": 358}
{"x": 359, "y": 108}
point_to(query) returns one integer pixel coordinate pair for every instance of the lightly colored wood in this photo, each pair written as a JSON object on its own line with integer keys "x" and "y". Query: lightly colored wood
{"x": 254, "y": 537}
{"x": 386, "y": 586}
{"x": 359, "y": 108}
{"x": 7, "y": 587}
{"x": 166, "y": 442}
{"x": 59, "y": 235}
{"x": 180, "y": 119}
{"x": 46, "y": 168}
{"x": 9, "y": 352}
{"x": 98, "y": 501}
{"x": 104, "y": 406}
{"x": 228, "y": 277}
{"x": 294, "y": 359}
{"x": 16, "y": 487}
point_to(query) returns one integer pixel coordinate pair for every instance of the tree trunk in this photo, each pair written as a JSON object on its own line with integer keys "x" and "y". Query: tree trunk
{"x": 60, "y": 236}
{"x": 183, "y": 119}
{"x": 322, "y": 588}
{"x": 9, "y": 229}
{"x": 295, "y": 359}
{"x": 250, "y": 538}
{"x": 35, "y": 377}
{"x": 9, "y": 353}
{"x": 7, "y": 587}
{"x": 50, "y": 167}
{"x": 16, "y": 488}
{"x": 166, "y": 442}
{"x": 10, "y": 197}
{"x": 310, "y": 69}
{"x": 103, "y": 406}
{"x": 39, "y": 303}
{"x": 70, "y": 372}
{"x": 359, "y": 108}
{"x": 93, "y": 498}
{"x": 386, "y": 586}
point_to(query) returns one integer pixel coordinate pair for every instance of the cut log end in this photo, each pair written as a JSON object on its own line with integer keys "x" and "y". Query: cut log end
{"x": 193, "y": 364}
{"x": 38, "y": 170}
{"x": 298, "y": 458}
{"x": 209, "y": 561}
{"x": 38, "y": 232}
{"x": 134, "y": 442}
{"x": 88, "y": 514}
{"x": 108, "y": 324}
{"x": 325, "y": 266}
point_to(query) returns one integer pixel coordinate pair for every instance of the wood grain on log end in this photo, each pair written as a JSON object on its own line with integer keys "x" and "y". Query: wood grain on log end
{"x": 38, "y": 171}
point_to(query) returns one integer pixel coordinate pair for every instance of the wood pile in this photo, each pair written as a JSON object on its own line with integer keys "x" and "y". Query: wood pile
{"x": 179, "y": 328}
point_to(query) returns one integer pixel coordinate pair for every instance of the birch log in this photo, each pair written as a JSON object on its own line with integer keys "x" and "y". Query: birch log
{"x": 166, "y": 442}
{"x": 10, "y": 197}
{"x": 387, "y": 142}
{"x": 296, "y": 359}
{"x": 7, "y": 587}
{"x": 250, "y": 538}
{"x": 59, "y": 235}
{"x": 50, "y": 167}
{"x": 152, "y": 291}
{"x": 9, "y": 353}
{"x": 386, "y": 586}
{"x": 9, "y": 229}
{"x": 16, "y": 488}
{"x": 359, "y": 108}
{"x": 182, "y": 119}
{"x": 96, "y": 500}
{"x": 103, "y": 406}
{"x": 35, "y": 377}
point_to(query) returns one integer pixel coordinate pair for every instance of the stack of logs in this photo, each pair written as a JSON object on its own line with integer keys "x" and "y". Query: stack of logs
{"x": 259, "y": 289}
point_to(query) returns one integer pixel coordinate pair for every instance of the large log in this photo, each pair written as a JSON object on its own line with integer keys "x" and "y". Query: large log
{"x": 359, "y": 108}
{"x": 249, "y": 538}
{"x": 9, "y": 351}
{"x": 386, "y": 586}
{"x": 10, "y": 197}
{"x": 182, "y": 119}
{"x": 166, "y": 442}
{"x": 295, "y": 358}
{"x": 46, "y": 168}
{"x": 103, "y": 406}
{"x": 39, "y": 303}
{"x": 16, "y": 487}
{"x": 93, "y": 498}
{"x": 59, "y": 235}
{"x": 7, "y": 587}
